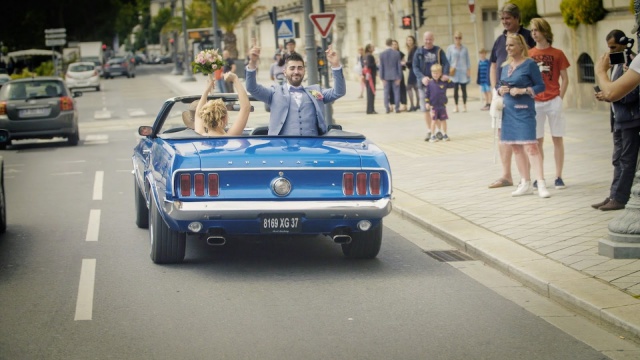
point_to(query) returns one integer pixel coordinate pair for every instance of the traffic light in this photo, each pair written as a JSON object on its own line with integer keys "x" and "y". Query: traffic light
{"x": 322, "y": 61}
{"x": 407, "y": 22}
{"x": 422, "y": 13}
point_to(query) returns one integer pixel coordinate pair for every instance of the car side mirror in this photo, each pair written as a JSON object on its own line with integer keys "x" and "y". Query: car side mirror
{"x": 145, "y": 130}
{"x": 77, "y": 94}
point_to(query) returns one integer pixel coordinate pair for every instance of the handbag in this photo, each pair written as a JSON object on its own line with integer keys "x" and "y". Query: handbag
{"x": 452, "y": 71}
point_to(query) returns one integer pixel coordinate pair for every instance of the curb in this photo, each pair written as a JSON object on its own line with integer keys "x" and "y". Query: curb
{"x": 580, "y": 292}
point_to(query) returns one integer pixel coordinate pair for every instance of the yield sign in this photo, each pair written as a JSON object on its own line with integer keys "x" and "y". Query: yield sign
{"x": 323, "y": 22}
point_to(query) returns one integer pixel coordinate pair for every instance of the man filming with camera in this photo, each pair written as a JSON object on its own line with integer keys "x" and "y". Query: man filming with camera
{"x": 625, "y": 125}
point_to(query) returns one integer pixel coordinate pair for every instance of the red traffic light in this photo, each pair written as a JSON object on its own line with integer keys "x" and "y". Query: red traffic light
{"x": 407, "y": 22}
{"x": 104, "y": 47}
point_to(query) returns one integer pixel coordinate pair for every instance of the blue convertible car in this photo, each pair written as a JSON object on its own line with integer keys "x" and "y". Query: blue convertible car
{"x": 190, "y": 186}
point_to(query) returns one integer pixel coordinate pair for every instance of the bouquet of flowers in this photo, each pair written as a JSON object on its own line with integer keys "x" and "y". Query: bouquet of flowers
{"x": 207, "y": 62}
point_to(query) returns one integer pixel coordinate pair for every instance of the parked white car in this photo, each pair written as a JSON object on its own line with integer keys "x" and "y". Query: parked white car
{"x": 82, "y": 75}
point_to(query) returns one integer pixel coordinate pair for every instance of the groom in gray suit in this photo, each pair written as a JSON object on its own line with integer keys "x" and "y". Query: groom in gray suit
{"x": 391, "y": 73}
{"x": 295, "y": 109}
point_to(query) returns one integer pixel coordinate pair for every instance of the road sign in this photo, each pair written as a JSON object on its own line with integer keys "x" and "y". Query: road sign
{"x": 55, "y": 42}
{"x": 284, "y": 27}
{"x": 55, "y": 37}
{"x": 323, "y": 22}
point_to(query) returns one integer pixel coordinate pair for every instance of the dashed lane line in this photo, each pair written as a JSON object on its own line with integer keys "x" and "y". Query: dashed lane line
{"x": 84, "y": 302}
{"x": 94, "y": 225}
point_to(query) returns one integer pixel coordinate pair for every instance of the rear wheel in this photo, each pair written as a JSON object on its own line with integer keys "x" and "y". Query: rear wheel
{"x": 74, "y": 138}
{"x": 97, "y": 88}
{"x": 167, "y": 246}
{"x": 364, "y": 244}
{"x": 142, "y": 211}
{"x": 5, "y": 145}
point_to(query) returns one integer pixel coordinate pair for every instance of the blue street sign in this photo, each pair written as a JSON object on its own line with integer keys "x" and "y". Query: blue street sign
{"x": 284, "y": 27}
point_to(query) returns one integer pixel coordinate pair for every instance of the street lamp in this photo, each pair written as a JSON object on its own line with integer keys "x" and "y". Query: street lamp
{"x": 174, "y": 35}
{"x": 188, "y": 73}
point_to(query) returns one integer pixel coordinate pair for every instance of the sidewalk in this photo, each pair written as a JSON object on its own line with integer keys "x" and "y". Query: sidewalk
{"x": 551, "y": 245}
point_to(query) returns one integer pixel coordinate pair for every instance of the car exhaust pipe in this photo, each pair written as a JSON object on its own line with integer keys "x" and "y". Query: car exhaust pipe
{"x": 216, "y": 240}
{"x": 342, "y": 239}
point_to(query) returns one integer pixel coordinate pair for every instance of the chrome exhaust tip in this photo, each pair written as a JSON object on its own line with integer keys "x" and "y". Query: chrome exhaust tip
{"x": 342, "y": 239}
{"x": 216, "y": 240}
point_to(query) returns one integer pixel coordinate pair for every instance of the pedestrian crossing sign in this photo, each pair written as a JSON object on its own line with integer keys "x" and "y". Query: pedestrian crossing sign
{"x": 284, "y": 28}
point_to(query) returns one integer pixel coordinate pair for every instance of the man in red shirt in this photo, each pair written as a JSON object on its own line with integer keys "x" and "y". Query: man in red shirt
{"x": 553, "y": 67}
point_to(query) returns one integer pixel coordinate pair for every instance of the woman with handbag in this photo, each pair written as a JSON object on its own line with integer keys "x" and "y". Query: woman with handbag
{"x": 460, "y": 69}
{"x": 370, "y": 71}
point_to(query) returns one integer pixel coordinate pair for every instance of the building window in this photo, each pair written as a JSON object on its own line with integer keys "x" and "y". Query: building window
{"x": 585, "y": 69}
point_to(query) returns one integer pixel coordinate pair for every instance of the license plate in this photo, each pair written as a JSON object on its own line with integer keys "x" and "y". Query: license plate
{"x": 34, "y": 112}
{"x": 280, "y": 223}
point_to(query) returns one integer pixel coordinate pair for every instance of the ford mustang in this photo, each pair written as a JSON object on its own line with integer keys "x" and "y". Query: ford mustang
{"x": 188, "y": 186}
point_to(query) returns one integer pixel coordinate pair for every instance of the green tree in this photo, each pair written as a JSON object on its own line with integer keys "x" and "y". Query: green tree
{"x": 576, "y": 12}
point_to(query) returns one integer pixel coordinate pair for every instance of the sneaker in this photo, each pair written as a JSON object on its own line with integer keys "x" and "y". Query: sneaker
{"x": 445, "y": 137}
{"x": 559, "y": 183}
{"x": 433, "y": 139}
{"x": 439, "y": 135}
{"x": 542, "y": 190}
{"x": 535, "y": 184}
{"x": 524, "y": 188}
{"x": 485, "y": 108}
{"x": 428, "y": 136}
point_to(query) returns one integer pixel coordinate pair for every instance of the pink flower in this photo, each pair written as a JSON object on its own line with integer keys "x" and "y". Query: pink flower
{"x": 316, "y": 94}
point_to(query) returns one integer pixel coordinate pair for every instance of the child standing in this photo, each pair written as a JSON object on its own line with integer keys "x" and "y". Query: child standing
{"x": 483, "y": 78}
{"x": 436, "y": 101}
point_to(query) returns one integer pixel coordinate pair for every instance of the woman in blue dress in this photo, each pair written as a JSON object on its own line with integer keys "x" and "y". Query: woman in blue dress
{"x": 520, "y": 81}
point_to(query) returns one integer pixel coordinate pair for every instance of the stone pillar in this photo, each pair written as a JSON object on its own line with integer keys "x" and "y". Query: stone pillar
{"x": 624, "y": 229}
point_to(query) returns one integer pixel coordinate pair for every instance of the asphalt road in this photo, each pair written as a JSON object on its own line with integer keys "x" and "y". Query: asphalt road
{"x": 76, "y": 281}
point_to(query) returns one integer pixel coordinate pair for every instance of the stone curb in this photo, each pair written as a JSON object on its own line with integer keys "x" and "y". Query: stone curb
{"x": 573, "y": 289}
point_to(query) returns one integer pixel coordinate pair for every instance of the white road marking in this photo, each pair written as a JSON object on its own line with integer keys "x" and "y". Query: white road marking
{"x": 84, "y": 302}
{"x": 67, "y": 173}
{"x": 102, "y": 114}
{"x": 97, "y": 185}
{"x": 96, "y": 139}
{"x": 94, "y": 225}
{"x": 136, "y": 112}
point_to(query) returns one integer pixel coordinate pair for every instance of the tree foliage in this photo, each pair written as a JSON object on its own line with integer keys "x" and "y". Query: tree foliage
{"x": 576, "y": 12}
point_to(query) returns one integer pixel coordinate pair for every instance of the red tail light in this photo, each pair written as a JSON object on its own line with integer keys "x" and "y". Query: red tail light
{"x": 361, "y": 183}
{"x": 3, "y": 108}
{"x": 198, "y": 184}
{"x": 185, "y": 185}
{"x": 347, "y": 183}
{"x": 66, "y": 103}
{"x": 374, "y": 183}
{"x": 214, "y": 185}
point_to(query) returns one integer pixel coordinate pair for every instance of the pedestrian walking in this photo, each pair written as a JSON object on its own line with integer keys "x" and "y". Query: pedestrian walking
{"x": 483, "y": 78}
{"x": 412, "y": 82}
{"x": 357, "y": 70}
{"x": 436, "y": 102}
{"x": 403, "y": 67}
{"x": 390, "y": 74}
{"x": 370, "y": 71}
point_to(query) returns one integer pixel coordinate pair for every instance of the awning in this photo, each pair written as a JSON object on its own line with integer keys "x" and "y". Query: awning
{"x": 32, "y": 52}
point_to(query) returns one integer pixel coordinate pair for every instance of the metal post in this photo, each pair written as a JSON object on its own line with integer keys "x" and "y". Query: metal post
{"x": 274, "y": 11}
{"x": 310, "y": 45}
{"x": 214, "y": 22}
{"x": 174, "y": 35}
{"x": 188, "y": 72}
{"x": 328, "y": 108}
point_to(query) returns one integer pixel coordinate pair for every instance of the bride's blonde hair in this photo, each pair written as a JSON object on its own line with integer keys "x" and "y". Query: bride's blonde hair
{"x": 213, "y": 114}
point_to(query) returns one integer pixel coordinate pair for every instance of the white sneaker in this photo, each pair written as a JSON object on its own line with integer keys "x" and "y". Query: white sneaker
{"x": 524, "y": 188}
{"x": 542, "y": 189}
{"x": 433, "y": 139}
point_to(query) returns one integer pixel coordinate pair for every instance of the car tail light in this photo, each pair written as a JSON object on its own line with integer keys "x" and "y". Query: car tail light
{"x": 374, "y": 183}
{"x": 3, "y": 108}
{"x": 198, "y": 184}
{"x": 66, "y": 103}
{"x": 347, "y": 183}
{"x": 185, "y": 184}
{"x": 214, "y": 185}
{"x": 361, "y": 183}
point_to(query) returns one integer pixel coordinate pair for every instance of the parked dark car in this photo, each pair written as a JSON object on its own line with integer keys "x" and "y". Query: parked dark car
{"x": 120, "y": 66}
{"x": 213, "y": 188}
{"x": 3, "y": 202}
{"x": 38, "y": 108}
{"x": 164, "y": 59}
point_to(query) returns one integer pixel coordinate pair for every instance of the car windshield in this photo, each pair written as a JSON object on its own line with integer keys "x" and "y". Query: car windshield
{"x": 81, "y": 67}
{"x": 31, "y": 90}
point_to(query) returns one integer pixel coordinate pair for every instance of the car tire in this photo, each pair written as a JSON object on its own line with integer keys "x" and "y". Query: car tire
{"x": 97, "y": 88}
{"x": 3, "y": 204}
{"x": 364, "y": 244}
{"x": 142, "y": 211}
{"x": 6, "y": 145}
{"x": 167, "y": 246}
{"x": 128, "y": 76}
{"x": 74, "y": 138}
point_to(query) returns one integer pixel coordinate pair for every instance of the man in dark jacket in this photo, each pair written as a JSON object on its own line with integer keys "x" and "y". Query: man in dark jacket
{"x": 625, "y": 126}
